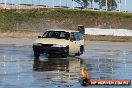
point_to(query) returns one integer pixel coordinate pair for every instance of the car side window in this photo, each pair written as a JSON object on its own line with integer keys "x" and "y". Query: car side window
{"x": 62, "y": 34}
{"x": 76, "y": 36}
{"x": 80, "y": 36}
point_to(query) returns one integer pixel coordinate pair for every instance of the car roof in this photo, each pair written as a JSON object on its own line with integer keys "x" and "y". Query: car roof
{"x": 66, "y": 30}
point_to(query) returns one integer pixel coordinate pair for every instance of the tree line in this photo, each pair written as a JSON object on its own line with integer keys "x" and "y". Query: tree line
{"x": 111, "y": 4}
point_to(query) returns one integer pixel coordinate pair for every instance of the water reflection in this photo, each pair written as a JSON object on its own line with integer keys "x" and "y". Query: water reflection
{"x": 99, "y": 68}
{"x": 68, "y": 69}
{"x": 16, "y": 68}
{"x": 113, "y": 65}
{"x": 58, "y": 69}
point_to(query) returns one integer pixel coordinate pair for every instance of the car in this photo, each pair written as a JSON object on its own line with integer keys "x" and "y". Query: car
{"x": 59, "y": 41}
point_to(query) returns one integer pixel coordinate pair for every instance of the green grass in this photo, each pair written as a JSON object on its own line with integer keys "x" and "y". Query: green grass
{"x": 10, "y": 18}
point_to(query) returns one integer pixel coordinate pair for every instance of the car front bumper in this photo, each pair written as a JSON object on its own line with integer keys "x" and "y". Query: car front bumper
{"x": 49, "y": 50}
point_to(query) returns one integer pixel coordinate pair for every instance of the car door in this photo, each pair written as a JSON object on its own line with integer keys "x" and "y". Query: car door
{"x": 74, "y": 46}
{"x": 81, "y": 39}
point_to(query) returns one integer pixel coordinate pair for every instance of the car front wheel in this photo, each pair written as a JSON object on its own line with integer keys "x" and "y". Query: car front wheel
{"x": 66, "y": 52}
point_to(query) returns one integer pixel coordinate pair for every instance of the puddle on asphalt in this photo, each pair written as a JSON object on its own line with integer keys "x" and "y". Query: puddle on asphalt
{"x": 59, "y": 69}
{"x": 19, "y": 69}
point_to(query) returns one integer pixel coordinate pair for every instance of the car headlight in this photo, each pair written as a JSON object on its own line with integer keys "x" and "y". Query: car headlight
{"x": 56, "y": 45}
{"x": 37, "y": 44}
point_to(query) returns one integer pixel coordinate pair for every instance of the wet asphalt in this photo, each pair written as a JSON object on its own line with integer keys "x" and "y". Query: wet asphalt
{"x": 19, "y": 68}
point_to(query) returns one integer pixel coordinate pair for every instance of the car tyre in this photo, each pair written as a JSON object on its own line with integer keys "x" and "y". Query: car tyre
{"x": 66, "y": 53}
{"x": 81, "y": 49}
{"x": 77, "y": 54}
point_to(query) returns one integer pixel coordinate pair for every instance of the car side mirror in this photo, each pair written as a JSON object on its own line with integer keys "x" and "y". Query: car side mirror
{"x": 39, "y": 37}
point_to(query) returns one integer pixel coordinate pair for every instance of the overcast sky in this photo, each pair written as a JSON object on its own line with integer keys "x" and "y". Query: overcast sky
{"x": 128, "y": 6}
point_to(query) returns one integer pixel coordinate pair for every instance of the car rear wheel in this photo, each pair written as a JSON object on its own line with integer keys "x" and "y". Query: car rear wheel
{"x": 81, "y": 49}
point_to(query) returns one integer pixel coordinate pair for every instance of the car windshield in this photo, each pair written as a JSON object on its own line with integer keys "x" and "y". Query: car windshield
{"x": 56, "y": 34}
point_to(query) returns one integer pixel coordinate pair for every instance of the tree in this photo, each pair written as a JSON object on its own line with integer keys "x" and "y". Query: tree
{"x": 83, "y": 3}
{"x": 99, "y": 2}
{"x": 111, "y": 4}
{"x": 91, "y": 3}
